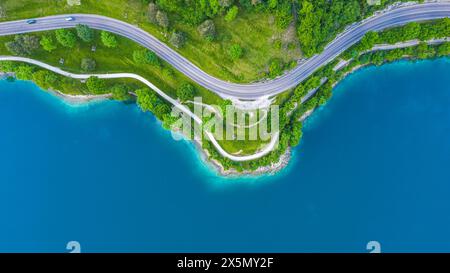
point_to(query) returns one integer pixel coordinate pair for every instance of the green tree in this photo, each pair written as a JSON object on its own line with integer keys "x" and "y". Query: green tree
{"x": 96, "y": 85}
{"x": 120, "y": 92}
{"x": 85, "y": 33}
{"x": 177, "y": 39}
{"x": 231, "y": 14}
{"x": 24, "y": 72}
{"x": 66, "y": 37}
{"x": 152, "y": 11}
{"x": 162, "y": 19}
{"x": 149, "y": 101}
{"x": 88, "y": 64}
{"x": 45, "y": 79}
{"x": 186, "y": 92}
{"x": 275, "y": 68}
{"x": 443, "y": 49}
{"x": 108, "y": 39}
{"x": 47, "y": 43}
{"x": 207, "y": 30}
{"x": 235, "y": 52}
{"x": 23, "y": 44}
{"x": 146, "y": 56}
{"x": 296, "y": 134}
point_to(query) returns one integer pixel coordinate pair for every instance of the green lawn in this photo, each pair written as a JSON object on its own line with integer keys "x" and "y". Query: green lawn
{"x": 113, "y": 60}
{"x": 256, "y": 33}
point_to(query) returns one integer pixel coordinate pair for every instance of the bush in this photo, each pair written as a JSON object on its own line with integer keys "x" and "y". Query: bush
{"x": 207, "y": 30}
{"x": 235, "y": 52}
{"x": 66, "y": 37}
{"x": 24, "y": 72}
{"x": 186, "y": 92}
{"x": 152, "y": 11}
{"x": 275, "y": 68}
{"x": 231, "y": 14}
{"x": 88, "y": 64}
{"x": 23, "y": 45}
{"x": 96, "y": 85}
{"x": 145, "y": 56}
{"x": 45, "y": 79}
{"x": 162, "y": 19}
{"x": 47, "y": 43}
{"x": 108, "y": 39}
{"x": 120, "y": 92}
{"x": 177, "y": 39}
{"x": 85, "y": 33}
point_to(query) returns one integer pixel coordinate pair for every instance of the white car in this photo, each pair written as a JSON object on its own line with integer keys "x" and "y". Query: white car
{"x": 70, "y": 19}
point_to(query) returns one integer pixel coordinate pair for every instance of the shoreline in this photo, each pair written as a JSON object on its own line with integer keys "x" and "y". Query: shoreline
{"x": 78, "y": 99}
{"x": 217, "y": 167}
{"x": 69, "y": 98}
{"x": 213, "y": 164}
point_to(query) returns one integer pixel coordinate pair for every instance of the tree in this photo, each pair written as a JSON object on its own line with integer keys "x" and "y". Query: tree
{"x": 443, "y": 49}
{"x": 186, "y": 92}
{"x": 422, "y": 51}
{"x": 207, "y": 29}
{"x": 235, "y": 52}
{"x": 152, "y": 11}
{"x": 85, "y": 33}
{"x": 108, "y": 39}
{"x": 47, "y": 43}
{"x": 296, "y": 134}
{"x": 177, "y": 39}
{"x": 24, "y": 72}
{"x": 66, "y": 37}
{"x": 88, "y": 64}
{"x": 146, "y": 99}
{"x": 2, "y": 12}
{"x": 120, "y": 92}
{"x": 231, "y": 14}
{"x": 146, "y": 56}
{"x": 275, "y": 68}
{"x": 96, "y": 85}
{"x": 283, "y": 14}
{"x": 368, "y": 41}
{"x": 225, "y": 3}
{"x": 149, "y": 101}
{"x": 45, "y": 79}
{"x": 162, "y": 19}
{"x": 23, "y": 44}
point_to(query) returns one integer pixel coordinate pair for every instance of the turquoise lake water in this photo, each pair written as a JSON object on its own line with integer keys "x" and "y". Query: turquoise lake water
{"x": 374, "y": 164}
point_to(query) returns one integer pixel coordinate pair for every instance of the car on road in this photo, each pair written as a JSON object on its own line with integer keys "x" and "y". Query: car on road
{"x": 70, "y": 18}
{"x": 31, "y": 21}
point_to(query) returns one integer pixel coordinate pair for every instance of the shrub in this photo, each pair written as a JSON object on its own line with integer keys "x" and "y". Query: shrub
{"x": 207, "y": 29}
{"x": 85, "y": 33}
{"x": 108, "y": 39}
{"x": 88, "y": 64}
{"x": 66, "y": 37}
{"x": 235, "y": 52}
{"x": 186, "y": 92}
{"x": 231, "y": 14}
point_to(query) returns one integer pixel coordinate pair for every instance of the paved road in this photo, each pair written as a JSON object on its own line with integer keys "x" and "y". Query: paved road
{"x": 395, "y": 17}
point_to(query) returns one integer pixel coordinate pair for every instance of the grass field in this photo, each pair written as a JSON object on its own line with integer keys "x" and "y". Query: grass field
{"x": 256, "y": 33}
{"x": 112, "y": 60}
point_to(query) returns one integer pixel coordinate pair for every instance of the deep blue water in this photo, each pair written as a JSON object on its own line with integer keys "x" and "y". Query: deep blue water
{"x": 374, "y": 164}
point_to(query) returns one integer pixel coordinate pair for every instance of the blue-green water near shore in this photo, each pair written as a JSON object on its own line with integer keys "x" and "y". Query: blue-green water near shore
{"x": 374, "y": 164}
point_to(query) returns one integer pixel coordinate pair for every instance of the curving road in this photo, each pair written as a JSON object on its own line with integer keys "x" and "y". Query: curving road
{"x": 395, "y": 17}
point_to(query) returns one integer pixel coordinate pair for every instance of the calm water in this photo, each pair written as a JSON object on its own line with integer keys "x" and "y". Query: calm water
{"x": 374, "y": 164}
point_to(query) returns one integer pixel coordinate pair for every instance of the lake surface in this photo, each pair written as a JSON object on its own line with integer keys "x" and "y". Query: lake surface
{"x": 374, "y": 164}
